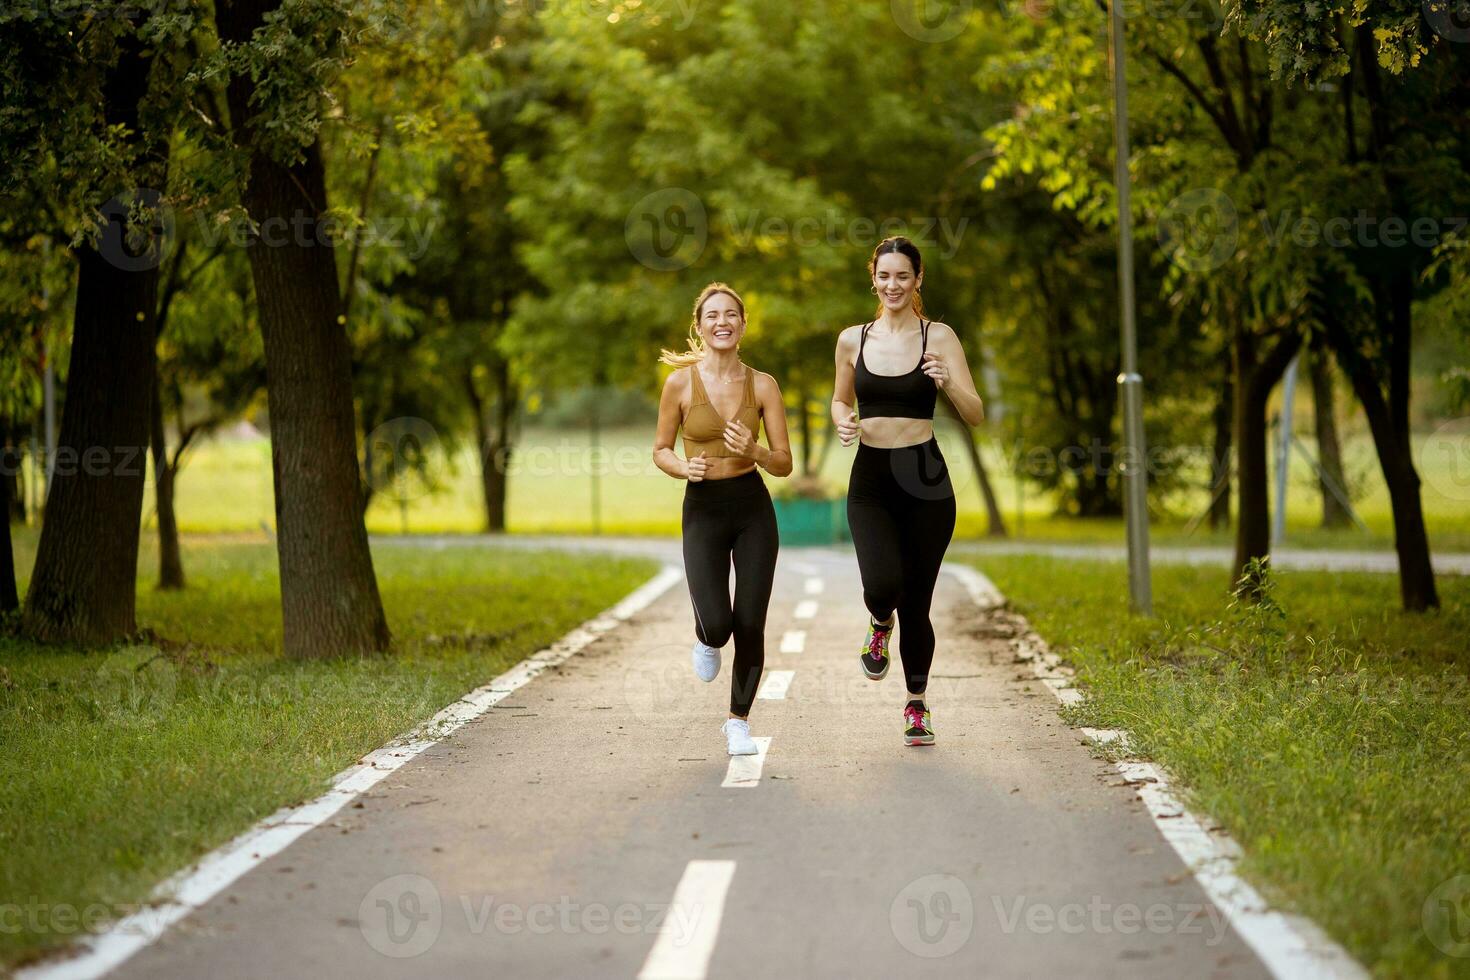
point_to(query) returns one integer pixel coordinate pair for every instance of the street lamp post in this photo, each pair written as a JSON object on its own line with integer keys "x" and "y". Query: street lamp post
{"x": 1135, "y": 472}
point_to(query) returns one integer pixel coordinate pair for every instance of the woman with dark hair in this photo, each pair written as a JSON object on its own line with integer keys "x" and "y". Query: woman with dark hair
{"x": 900, "y": 504}
{"x": 720, "y": 404}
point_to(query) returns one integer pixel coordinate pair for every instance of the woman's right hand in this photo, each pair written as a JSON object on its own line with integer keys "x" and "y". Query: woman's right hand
{"x": 697, "y": 467}
{"x": 848, "y": 429}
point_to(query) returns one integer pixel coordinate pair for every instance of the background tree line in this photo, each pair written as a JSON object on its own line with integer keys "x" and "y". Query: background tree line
{"x": 342, "y": 214}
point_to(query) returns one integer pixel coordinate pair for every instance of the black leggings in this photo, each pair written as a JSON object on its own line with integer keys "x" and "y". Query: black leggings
{"x": 901, "y": 509}
{"x": 724, "y": 518}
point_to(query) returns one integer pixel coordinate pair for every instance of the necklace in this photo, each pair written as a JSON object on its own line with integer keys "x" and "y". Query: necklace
{"x": 730, "y": 381}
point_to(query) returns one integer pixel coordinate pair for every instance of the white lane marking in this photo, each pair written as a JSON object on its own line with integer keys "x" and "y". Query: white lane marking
{"x": 806, "y": 609}
{"x": 815, "y": 586}
{"x": 775, "y": 686}
{"x": 1290, "y": 946}
{"x": 804, "y": 567}
{"x": 189, "y": 889}
{"x": 686, "y": 939}
{"x": 745, "y": 770}
{"x": 793, "y": 641}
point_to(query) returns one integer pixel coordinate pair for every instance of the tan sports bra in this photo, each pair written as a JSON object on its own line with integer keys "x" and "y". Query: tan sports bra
{"x": 704, "y": 426}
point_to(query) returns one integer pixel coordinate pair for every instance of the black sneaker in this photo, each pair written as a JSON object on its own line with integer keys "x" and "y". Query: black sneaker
{"x": 917, "y": 727}
{"x": 875, "y": 651}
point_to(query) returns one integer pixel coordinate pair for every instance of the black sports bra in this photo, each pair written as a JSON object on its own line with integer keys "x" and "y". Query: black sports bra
{"x": 898, "y": 396}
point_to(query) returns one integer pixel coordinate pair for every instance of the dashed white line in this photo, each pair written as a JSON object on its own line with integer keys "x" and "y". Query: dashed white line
{"x": 806, "y": 609}
{"x": 217, "y": 870}
{"x": 793, "y": 641}
{"x": 815, "y": 586}
{"x": 775, "y": 686}
{"x": 686, "y": 939}
{"x": 745, "y": 770}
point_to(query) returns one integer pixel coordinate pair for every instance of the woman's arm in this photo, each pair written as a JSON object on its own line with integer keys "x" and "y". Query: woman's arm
{"x": 946, "y": 364}
{"x": 670, "y": 414}
{"x": 777, "y": 459}
{"x": 844, "y": 395}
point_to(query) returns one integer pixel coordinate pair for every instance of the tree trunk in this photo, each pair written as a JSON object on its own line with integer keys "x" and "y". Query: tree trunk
{"x": 506, "y": 401}
{"x": 495, "y": 446}
{"x": 329, "y": 595}
{"x": 9, "y": 464}
{"x": 803, "y": 405}
{"x": 83, "y": 587}
{"x": 1254, "y": 380}
{"x": 1329, "y": 450}
{"x": 170, "y": 563}
{"x": 13, "y": 475}
{"x": 1389, "y": 426}
{"x": 1385, "y": 393}
{"x": 995, "y": 522}
{"x": 995, "y": 526}
{"x": 1220, "y": 462}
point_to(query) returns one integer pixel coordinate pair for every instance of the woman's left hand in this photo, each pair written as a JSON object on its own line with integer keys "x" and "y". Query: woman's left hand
{"x": 739, "y": 439}
{"x": 934, "y": 367}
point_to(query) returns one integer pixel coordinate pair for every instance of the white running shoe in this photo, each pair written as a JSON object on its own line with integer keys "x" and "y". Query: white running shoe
{"x": 737, "y": 737}
{"x": 706, "y": 661}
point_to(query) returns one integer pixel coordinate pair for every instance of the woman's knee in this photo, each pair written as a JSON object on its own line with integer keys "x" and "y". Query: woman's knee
{"x": 748, "y": 627}
{"x": 715, "y": 629}
{"x": 883, "y": 592}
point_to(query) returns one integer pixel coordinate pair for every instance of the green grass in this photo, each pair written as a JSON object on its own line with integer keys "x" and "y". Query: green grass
{"x": 1333, "y": 742}
{"x": 226, "y": 487}
{"x": 122, "y": 766}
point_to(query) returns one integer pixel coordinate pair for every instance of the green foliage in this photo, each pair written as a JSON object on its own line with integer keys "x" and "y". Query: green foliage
{"x": 1306, "y": 40}
{"x": 758, "y": 164}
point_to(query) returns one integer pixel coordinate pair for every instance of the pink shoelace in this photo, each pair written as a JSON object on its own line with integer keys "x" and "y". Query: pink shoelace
{"x": 914, "y": 717}
{"x": 875, "y": 641}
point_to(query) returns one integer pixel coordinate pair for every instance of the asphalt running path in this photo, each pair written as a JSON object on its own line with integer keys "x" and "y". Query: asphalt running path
{"x": 551, "y": 837}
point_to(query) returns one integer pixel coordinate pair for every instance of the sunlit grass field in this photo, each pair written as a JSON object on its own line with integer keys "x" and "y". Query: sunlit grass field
{"x": 556, "y": 474}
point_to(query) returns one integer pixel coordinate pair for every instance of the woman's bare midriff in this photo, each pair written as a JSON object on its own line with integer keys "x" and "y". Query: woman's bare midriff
{"x": 726, "y": 467}
{"x": 891, "y": 433}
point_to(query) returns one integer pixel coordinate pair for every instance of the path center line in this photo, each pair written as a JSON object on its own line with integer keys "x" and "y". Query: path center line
{"x": 806, "y": 609}
{"x": 745, "y": 770}
{"x": 686, "y": 938}
{"x": 815, "y": 586}
{"x": 191, "y": 887}
{"x": 793, "y": 641}
{"x": 775, "y": 686}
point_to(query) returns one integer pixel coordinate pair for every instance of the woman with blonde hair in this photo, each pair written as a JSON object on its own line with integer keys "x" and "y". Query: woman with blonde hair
{"x": 720, "y": 404}
{"x": 900, "y": 503}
